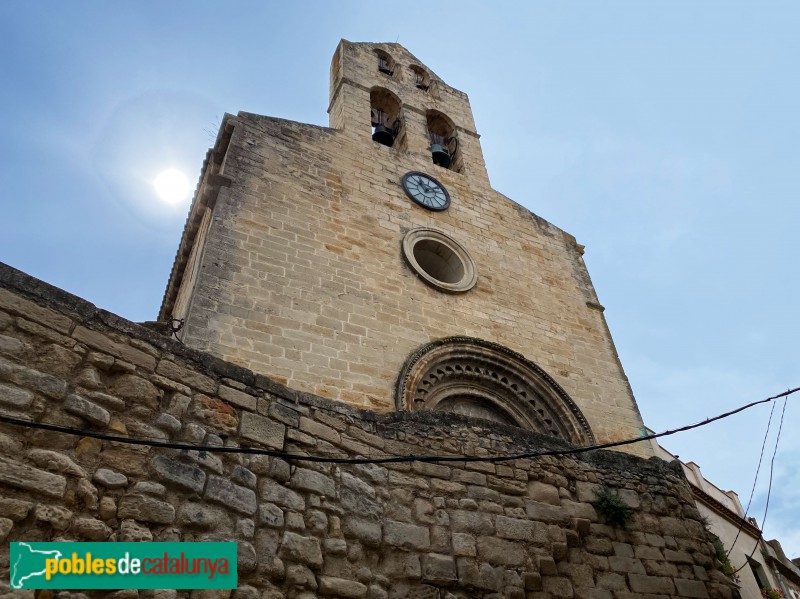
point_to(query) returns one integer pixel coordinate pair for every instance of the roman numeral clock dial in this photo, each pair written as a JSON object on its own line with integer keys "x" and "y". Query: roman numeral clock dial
{"x": 426, "y": 191}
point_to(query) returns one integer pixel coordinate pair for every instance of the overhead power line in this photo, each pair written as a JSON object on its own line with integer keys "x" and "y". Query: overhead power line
{"x": 755, "y": 480}
{"x": 381, "y": 460}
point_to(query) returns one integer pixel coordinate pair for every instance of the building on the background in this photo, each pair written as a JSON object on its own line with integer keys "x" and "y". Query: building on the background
{"x": 373, "y": 263}
{"x": 786, "y": 571}
{"x": 754, "y": 564}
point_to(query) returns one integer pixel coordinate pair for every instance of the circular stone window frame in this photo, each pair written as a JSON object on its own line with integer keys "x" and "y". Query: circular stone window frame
{"x": 470, "y": 273}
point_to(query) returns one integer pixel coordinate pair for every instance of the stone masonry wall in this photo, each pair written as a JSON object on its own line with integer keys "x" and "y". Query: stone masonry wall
{"x": 519, "y": 529}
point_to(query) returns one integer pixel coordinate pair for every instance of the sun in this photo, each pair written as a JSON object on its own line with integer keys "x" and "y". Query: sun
{"x": 172, "y": 186}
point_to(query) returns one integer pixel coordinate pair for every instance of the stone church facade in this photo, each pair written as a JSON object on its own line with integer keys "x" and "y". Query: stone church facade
{"x": 301, "y": 260}
{"x": 357, "y": 293}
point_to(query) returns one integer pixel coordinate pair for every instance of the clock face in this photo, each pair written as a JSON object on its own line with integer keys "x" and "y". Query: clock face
{"x": 426, "y": 191}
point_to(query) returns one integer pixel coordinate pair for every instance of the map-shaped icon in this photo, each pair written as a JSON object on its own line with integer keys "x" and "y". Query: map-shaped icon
{"x": 28, "y": 563}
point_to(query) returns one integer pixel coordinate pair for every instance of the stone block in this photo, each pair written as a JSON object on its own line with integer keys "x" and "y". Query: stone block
{"x": 188, "y": 377}
{"x": 557, "y": 587}
{"x": 611, "y": 581}
{"x": 691, "y": 588}
{"x": 355, "y": 483}
{"x": 46, "y": 384}
{"x": 319, "y": 430}
{"x": 317, "y": 521}
{"x": 438, "y": 568}
{"x": 133, "y": 532}
{"x": 581, "y": 575}
{"x": 91, "y": 529}
{"x": 479, "y": 575}
{"x": 274, "y": 492}
{"x": 678, "y": 557}
{"x": 6, "y": 525}
{"x": 58, "y": 517}
{"x": 641, "y": 583}
{"x": 544, "y": 512}
{"x": 335, "y": 546}
{"x": 262, "y": 430}
{"x": 304, "y": 550}
{"x": 149, "y": 487}
{"x": 473, "y": 522}
{"x": 238, "y": 498}
{"x": 56, "y": 462}
{"x": 237, "y": 398}
{"x": 14, "y": 509}
{"x": 406, "y": 536}
{"x": 377, "y": 475}
{"x": 295, "y": 521}
{"x": 547, "y": 565}
{"x": 243, "y": 476}
{"x": 186, "y": 476}
{"x": 341, "y": 587}
{"x": 15, "y": 397}
{"x": 246, "y": 557}
{"x": 532, "y": 581}
{"x": 587, "y": 491}
{"x": 543, "y": 492}
{"x": 366, "y": 531}
{"x": 270, "y": 515}
{"x": 199, "y": 515}
{"x": 169, "y": 423}
{"x": 598, "y": 545}
{"x": 145, "y": 509}
{"x": 499, "y": 551}
{"x": 102, "y": 341}
{"x": 136, "y": 390}
{"x": 246, "y": 528}
{"x": 626, "y": 564}
{"x": 298, "y": 575}
{"x": 304, "y": 479}
{"x": 360, "y": 505}
{"x": 107, "y": 510}
{"x": 431, "y": 470}
{"x": 75, "y": 404}
{"x": 521, "y": 530}
{"x": 464, "y": 545}
{"x": 23, "y": 476}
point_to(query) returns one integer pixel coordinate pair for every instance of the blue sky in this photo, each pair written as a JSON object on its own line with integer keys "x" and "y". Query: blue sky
{"x": 663, "y": 135}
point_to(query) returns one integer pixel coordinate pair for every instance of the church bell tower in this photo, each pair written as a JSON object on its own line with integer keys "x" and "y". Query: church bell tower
{"x": 372, "y": 263}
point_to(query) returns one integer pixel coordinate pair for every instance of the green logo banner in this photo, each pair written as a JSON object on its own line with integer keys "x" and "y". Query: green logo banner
{"x": 123, "y": 566}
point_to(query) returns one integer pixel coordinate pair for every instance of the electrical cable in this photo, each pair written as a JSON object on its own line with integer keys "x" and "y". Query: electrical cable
{"x": 769, "y": 490}
{"x": 385, "y": 460}
{"x": 755, "y": 480}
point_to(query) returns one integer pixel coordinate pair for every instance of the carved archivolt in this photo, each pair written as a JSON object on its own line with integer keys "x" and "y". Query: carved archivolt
{"x": 485, "y": 380}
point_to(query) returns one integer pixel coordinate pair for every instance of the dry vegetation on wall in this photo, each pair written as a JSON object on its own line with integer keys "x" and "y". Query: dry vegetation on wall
{"x": 518, "y": 529}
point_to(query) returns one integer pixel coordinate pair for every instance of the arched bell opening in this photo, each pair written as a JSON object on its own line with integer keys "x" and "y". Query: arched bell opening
{"x": 386, "y": 118}
{"x": 420, "y": 77}
{"x": 443, "y": 138}
{"x": 485, "y": 380}
{"x": 386, "y": 64}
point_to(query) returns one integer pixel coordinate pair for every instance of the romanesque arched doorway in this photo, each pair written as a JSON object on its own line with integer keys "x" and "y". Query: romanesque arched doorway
{"x": 481, "y": 379}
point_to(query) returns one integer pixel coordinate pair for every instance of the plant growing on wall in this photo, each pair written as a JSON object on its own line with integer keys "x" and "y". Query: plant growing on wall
{"x": 772, "y": 593}
{"x": 722, "y": 556}
{"x": 611, "y": 506}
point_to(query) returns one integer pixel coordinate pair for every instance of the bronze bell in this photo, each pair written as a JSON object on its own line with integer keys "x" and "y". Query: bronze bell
{"x": 383, "y": 135}
{"x": 440, "y": 155}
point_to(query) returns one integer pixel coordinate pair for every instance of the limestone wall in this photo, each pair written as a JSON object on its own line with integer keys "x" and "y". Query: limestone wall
{"x": 523, "y": 528}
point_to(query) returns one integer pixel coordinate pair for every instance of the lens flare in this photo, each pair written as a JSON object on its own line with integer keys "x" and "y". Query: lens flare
{"x": 172, "y": 186}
